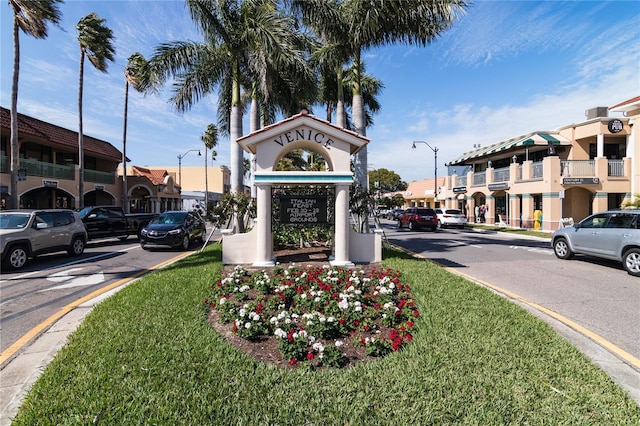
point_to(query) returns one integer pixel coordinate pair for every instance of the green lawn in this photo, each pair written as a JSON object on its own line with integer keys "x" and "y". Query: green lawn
{"x": 148, "y": 356}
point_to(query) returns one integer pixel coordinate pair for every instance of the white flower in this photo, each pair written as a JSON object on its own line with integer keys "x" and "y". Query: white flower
{"x": 339, "y": 343}
{"x": 222, "y": 300}
{"x": 247, "y": 325}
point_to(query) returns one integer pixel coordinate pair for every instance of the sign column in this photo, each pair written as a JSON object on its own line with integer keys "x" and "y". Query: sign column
{"x": 341, "y": 248}
{"x": 264, "y": 249}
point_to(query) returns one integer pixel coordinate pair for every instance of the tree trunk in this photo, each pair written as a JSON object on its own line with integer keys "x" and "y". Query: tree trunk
{"x": 80, "y": 137}
{"x": 15, "y": 149}
{"x": 125, "y": 196}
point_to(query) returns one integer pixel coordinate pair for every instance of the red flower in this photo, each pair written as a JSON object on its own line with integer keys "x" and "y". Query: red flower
{"x": 356, "y": 323}
{"x": 293, "y": 361}
{"x": 235, "y": 327}
{"x": 309, "y": 356}
{"x": 408, "y": 337}
{"x": 395, "y": 345}
{"x": 342, "y": 321}
{"x": 416, "y": 313}
{"x": 409, "y": 324}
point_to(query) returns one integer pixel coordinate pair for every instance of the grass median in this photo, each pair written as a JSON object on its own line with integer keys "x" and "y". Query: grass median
{"x": 147, "y": 355}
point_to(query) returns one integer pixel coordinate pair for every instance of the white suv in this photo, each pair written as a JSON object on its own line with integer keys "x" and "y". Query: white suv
{"x": 28, "y": 233}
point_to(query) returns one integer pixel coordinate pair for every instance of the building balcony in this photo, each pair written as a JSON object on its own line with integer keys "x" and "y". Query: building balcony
{"x": 602, "y": 169}
{"x": 57, "y": 171}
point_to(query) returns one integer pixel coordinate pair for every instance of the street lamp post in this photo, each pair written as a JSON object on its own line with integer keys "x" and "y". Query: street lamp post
{"x": 180, "y": 157}
{"x": 435, "y": 168}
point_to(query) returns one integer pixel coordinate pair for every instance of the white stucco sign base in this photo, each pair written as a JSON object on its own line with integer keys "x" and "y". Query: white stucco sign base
{"x": 269, "y": 145}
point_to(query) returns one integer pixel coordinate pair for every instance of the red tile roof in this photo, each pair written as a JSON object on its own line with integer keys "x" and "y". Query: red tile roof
{"x": 58, "y": 135}
{"x": 154, "y": 175}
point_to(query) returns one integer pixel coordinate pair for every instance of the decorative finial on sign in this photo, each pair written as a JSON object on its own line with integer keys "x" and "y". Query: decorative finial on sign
{"x": 304, "y": 112}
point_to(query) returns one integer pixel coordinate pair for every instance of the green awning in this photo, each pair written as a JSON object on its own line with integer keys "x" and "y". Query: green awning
{"x": 536, "y": 138}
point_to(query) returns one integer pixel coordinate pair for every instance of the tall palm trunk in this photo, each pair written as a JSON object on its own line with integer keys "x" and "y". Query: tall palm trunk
{"x": 80, "y": 134}
{"x": 341, "y": 119}
{"x": 236, "y": 157}
{"x": 361, "y": 128}
{"x": 15, "y": 153}
{"x": 125, "y": 189}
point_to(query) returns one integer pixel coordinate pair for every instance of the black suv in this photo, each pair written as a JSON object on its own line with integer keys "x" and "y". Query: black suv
{"x": 418, "y": 217}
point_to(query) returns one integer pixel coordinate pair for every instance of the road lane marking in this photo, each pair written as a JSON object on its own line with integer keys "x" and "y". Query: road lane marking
{"x": 73, "y": 262}
{"x": 71, "y": 281}
{"x": 44, "y": 325}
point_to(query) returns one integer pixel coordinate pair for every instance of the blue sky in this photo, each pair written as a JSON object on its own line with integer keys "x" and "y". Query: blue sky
{"x": 505, "y": 68}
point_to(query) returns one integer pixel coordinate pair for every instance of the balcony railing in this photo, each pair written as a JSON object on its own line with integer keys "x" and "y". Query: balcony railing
{"x": 462, "y": 181}
{"x": 501, "y": 175}
{"x": 616, "y": 167}
{"x": 479, "y": 178}
{"x": 99, "y": 177}
{"x": 39, "y": 168}
{"x": 570, "y": 168}
{"x": 536, "y": 170}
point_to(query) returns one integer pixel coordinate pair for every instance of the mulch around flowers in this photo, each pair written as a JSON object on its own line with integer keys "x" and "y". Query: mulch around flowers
{"x": 265, "y": 349}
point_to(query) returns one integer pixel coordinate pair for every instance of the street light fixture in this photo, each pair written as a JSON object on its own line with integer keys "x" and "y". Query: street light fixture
{"x": 180, "y": 157}
{"x": 435, "y": 168}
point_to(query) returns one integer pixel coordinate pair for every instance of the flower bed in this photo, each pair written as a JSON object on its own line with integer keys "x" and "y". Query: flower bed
{"x": 320, "y": 316}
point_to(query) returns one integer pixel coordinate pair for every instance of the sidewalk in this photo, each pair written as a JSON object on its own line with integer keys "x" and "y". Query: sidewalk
{"x": 21, "y": 372}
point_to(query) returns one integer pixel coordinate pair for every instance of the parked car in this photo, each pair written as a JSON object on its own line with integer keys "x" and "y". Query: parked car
{"x": 25, "y": 234}
{"x": 450, "y": 217}
{"x": 614, "y": 234}
{"x": 417, "y": 218}
{"x": 175, "y": 229}
{"x": 112, "y": 221}
{"x": 394, "y": 214}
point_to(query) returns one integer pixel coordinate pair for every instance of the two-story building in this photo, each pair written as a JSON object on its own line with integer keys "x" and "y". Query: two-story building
{"x": 537, "y": 179}
{"x": 48, "y": 167}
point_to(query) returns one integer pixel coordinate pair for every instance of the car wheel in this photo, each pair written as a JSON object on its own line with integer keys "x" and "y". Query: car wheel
{"x": 124, "y": 237}
{"x": 185, "y": 242}
{"x": 433, "y": 228}
{"x": 144, "y": 247}
{"x": 16, "y": 258}
{"x": 77, "y": 247}
{"x": 631, "y": 261}
{"x": 561, "y": 249}
{"x": 439, "y": 224}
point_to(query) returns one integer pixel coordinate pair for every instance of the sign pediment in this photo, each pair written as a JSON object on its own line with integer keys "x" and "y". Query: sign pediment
{"x": 304, "y": 128}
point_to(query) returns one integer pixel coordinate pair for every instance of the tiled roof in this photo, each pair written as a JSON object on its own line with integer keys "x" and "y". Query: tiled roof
{"x": 154, "y": 175}
{"x": 58, "y": 135}
{"x": 628, "y": 104}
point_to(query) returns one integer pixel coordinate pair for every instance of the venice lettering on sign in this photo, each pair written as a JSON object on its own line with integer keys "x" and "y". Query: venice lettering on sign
{"x": 304, "y": 135}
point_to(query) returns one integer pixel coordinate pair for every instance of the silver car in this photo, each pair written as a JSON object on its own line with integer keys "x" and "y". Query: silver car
{"x": 614, "y": 234}
{"x": 28, "y": 233}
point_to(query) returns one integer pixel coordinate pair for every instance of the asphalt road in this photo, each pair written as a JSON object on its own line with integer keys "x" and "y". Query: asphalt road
{"x": 46, "y": 285}
{"x": 598, "y": 295}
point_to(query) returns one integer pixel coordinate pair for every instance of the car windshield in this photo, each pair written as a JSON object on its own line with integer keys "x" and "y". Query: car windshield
{"x": 84, "y": 212}
{"x": 170, "y": 218}
{"x": 453, "y": 211}
{"x": 14, "y": 220}
{"x": 424, "y": 212}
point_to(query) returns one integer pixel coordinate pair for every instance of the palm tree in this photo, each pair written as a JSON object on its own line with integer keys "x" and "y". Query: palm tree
{"x": 358, "y": 25}
{"x": 210, "y": 140}
{"x": 32, "y": 18}
{"x": 136, "y": 75}
{"x": 96, "y": 44}
{"x": 240, "y": 37}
